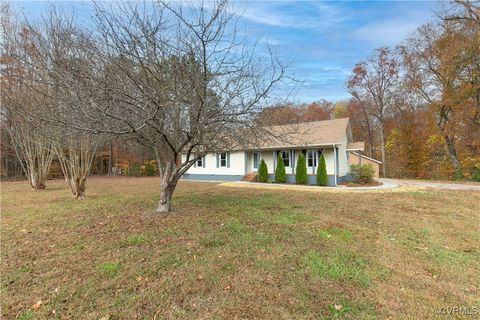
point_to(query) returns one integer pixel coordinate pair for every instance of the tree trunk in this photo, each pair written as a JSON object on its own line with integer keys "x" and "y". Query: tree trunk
{"x": 110, "y": 158}
{"x": 166, "y": 192}
{"x": 452, "y": 152}
{"x": 77, "y": 185}
{"x": 37, "y": 181}
{"x": 384, "y": 167}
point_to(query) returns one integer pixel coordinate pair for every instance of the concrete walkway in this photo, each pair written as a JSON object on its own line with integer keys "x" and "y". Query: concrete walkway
{"x": 387, "y": 186}
{"x": 432, "y": 184}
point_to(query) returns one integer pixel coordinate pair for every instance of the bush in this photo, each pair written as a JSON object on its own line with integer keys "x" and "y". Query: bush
{"x": 322, "y": 178}
{"x": 362, "y": 173}
{"x": 458, "y": 175}
{"x": 134, "y": 169}
{"x": 475, "y": 174}
{"x": 280, "y": 175}
{"x": 301, "y": 170}
{"x": 149, "y": 169}
{"x": 263, "y": 172}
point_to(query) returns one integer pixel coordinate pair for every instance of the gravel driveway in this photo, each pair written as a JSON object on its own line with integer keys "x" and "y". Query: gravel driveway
{"x": 433, "y": 184}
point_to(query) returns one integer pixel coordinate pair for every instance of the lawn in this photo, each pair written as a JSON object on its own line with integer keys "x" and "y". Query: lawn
{"x": 230, "y": 252}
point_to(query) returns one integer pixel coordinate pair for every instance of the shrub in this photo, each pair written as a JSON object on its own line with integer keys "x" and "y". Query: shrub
{"x": 362, "y": 173}
{"x": 134, "y": 169}
{"x": 149, "y": 169}
{"x": 475, "y": 174}
{"x": 263, "y": 172}
{"x": 280, "y": 175}
{"x": 322, "y": 179}
{"x": 301, "y": 170}
{"x": 458, "y": 175}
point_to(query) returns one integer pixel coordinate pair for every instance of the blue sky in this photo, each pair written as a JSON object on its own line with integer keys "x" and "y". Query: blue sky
{"x": 323, "y": 40}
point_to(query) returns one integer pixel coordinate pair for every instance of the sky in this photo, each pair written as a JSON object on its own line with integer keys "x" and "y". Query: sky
{"x": 320, "y": 40}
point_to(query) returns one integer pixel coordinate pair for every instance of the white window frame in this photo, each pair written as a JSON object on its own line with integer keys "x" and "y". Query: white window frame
{"x": 312, "y": 155}
{"x": 220, "y": 159}
{"x": 200, "y": 162}
{"x": 287, "y": 153}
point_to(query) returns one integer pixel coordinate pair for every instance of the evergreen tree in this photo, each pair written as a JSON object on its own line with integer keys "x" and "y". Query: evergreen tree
{"x": 322, "y": 179}
{"x": 280, "y": 175}
{"x": 301, "y": 171}
{"x": 263, "y": 172}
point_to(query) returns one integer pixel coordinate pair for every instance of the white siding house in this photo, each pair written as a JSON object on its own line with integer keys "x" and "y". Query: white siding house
{"x": 332, "y": 138}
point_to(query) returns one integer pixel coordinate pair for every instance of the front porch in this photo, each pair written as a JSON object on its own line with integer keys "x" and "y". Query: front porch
{"x": 290, "y": 159}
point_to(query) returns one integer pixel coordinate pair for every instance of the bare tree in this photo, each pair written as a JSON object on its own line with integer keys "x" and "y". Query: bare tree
{"x": 178, "y": 79}
{"x": 375, "y": 80}
{"x": 32, "y": 148}
{"x": 34, "y": 153}
{"x": 76, "y": 157}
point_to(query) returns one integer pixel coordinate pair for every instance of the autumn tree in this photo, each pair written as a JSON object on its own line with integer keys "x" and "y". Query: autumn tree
{"x": 373, "y": 84}
{"x": 291, "y": 113}
{"x": 434, "y": 69}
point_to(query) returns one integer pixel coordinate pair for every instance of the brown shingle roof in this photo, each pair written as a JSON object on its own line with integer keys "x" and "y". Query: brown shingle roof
{"x": 308, "y": 134}
{"x": 355, "y": 146}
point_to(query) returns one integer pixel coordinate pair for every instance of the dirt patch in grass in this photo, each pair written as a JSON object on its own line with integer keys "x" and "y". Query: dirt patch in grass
{"x": 353, "y": 184}
{"x": 228, "y": 252}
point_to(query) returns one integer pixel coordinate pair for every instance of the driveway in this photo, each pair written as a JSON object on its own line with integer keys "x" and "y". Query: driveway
{"x": 433, "y": 184}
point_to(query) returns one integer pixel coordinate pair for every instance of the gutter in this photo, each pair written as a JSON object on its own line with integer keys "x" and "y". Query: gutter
{"x": 364, "y": 156}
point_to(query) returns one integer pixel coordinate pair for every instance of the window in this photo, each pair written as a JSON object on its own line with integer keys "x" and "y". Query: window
{"x": 311, "y": 158}
{"x": 200, "y": 162}
{"x": 255, "y": 160}
{"x": 223, "y": 159}
{"x": 286, "y": 158}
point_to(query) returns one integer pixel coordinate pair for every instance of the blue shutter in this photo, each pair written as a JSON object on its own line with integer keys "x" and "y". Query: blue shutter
{"x": 218, "y": 160}
{"x": 203, "y": 161}
{"x": 228, "y": 159}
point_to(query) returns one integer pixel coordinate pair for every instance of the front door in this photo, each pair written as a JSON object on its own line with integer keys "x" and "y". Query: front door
{"x": 256, "y": 161}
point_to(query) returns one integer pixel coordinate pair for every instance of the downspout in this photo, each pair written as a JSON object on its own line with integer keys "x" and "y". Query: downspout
{"x": 335, "y": 165}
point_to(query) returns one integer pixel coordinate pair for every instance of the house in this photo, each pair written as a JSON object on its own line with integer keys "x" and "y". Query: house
{"x": 332, "y": 138}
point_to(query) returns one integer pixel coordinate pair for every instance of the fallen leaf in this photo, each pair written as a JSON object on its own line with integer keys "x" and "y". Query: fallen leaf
{"x": 338, "y": 307}
{"x": 37, "y": 305}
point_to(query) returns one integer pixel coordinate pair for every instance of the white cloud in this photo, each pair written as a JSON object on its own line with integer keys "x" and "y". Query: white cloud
{"x": 388, "y": 33}
{"x": 282, "y": 15}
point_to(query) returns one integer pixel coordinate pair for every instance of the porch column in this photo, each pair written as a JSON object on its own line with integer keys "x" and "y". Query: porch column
{"x": 293, "y": 160}
{"x": 245, "y": 160}
{"x": 335, "y": 164}
{"x": 274, "y": 161}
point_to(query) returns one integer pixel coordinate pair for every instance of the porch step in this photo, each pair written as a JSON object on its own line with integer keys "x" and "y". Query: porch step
{"x": 250, "y": 177}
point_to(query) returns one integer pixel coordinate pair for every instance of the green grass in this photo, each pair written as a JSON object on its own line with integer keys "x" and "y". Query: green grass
{"x": 134, "y": 240}
{"x": 27, "y": 315}
{"x": 453, "y": 258}
{"x": 109, "y": 269}
{"x": 235, "y": 252}
{"x": 335, "y": 233}
{"x": 170, "y": 260}
{"x": 339, "y": 265}
{"x": 416, "y": 238}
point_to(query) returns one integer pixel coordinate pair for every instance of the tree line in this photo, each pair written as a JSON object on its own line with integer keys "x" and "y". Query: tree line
{"x": 179, "y": 79}
{"x": 176, "y": 78}
{"x": 417, "y": 106}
